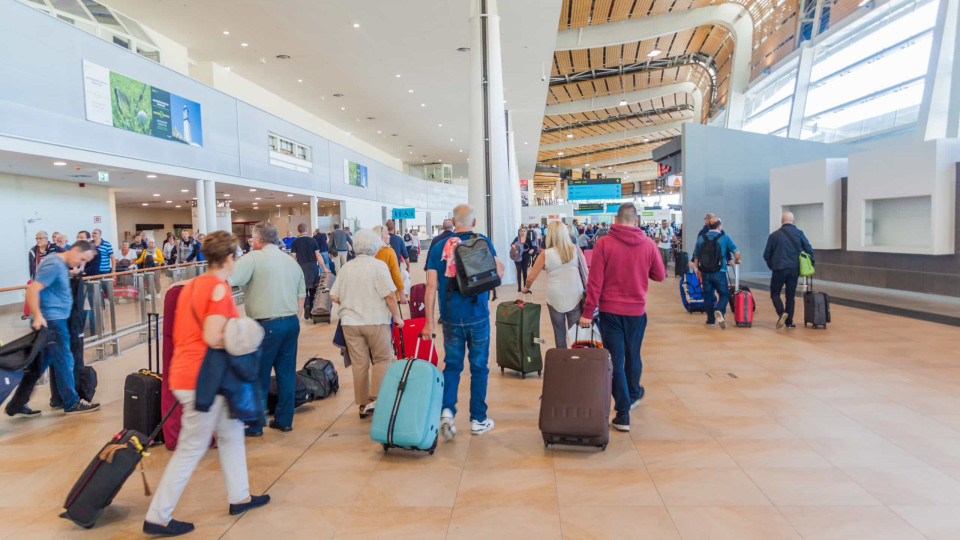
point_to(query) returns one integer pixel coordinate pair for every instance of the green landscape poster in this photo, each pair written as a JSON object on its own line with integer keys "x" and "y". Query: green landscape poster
{"x": 354, "y": 174}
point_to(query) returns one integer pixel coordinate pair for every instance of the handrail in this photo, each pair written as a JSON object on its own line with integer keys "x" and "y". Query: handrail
{"x": 114, "y": 274}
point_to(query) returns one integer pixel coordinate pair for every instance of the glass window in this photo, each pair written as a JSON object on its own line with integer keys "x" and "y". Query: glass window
{"x": 870, "y": 77}
{"x": 767, "y": 106}
{"x": 134, "y": 29}
{"x": 71, "y": 7}
{"x": 148, "y": 52}
{"x": 103, "y": 16}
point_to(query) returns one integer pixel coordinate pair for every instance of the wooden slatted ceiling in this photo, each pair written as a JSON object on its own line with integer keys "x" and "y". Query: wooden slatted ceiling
{"x": 670, "y": 101}
{"x": 598, "y": 152}
{"x": 607, "y": 86}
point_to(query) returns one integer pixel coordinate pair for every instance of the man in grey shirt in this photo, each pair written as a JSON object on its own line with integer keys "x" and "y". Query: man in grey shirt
{"x": 341, "y": 242}
{"x": 273, "y": 289}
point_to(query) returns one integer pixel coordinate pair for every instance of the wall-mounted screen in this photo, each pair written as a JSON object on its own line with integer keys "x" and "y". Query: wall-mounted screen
{"x": 589, "y": 208}
{"x": 354, "y": 174}
{"x": 593, "y": 188}
{"x": 612, "y": 208}
{"x": 119, "y": 101}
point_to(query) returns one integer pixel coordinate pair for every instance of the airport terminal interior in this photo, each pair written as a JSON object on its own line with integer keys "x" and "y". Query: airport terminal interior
{"x": 667, "y": 168}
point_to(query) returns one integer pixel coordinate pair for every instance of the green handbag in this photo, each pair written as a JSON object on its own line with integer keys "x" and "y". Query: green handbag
{"x": 806, "y": 264}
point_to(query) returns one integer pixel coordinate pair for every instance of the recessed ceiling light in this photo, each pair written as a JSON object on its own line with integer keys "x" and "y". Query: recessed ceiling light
{"x": 461, "y": 150}
{"x": 439, "y": 125}
{"x": 226, "y": 32}
{"x": 587, "y": 165}
{"x": 398, "y": 75}
{"x": 59, "y": 163}
{"x": 307, "y": 203}
{"x": 654, "y": 52}
{"x": 244, "y": 44}
{"x": 423, "y": 104}
{"x": 156, "y": 194}
{"x": 151, "y": 176}
{"x": 169, "y": 202}
{"x": 410, "y": 91}
{"x": 252, "y": 189}
{"x": 299, "y": 80}
{"x": 623, "y": 103}
{"x": 569, "y": 135}
{"x": 379, "y": 132}
{"x": 144, "y": 204}
{"x": 226, "y": 194}
{"x": 257, "y": 198}
{"x": 289, "y": 194}
{"x": 646, "y": 139}
{"x": 524, "y": 142}
{"x": 559, "y": 153}
{"x": 356, "y": 25}
{"x": 194, "y": 198}
{"x": 343, "y": 108}
{"x": 184, "y": 190}
{"x": 278, "y": 206}
{"x": 177, "y": 206}
{"x": 451, "y": 140}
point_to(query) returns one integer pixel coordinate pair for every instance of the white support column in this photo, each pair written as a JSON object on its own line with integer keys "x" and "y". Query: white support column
{"x": 800, "y": 90}
{"x": 513, "y": 167}
{"x": 210, "y": 205}
{"x": 940, "y": 109}
{"x": 314, "y": 218}
{"x": 201, "y": 223}
{"x": 489, "y": 191}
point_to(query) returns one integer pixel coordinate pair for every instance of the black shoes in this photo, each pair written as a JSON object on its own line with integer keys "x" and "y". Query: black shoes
{"x": 256, "y": 501}
{"x": 275, "y": 425}
{"x": 83, "y": 407}
{"x": 23, "y": 412}
{"x": 174, "y": 528}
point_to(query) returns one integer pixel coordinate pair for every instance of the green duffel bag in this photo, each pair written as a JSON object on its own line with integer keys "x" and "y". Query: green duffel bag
{"x": 518, "y": 337}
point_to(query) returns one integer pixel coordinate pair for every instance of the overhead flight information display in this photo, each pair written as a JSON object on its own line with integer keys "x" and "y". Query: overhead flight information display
{"x": 589, "y": 208}
{"x": 593, "y": 188}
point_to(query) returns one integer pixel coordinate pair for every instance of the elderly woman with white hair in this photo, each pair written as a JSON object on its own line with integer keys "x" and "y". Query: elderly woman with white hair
{"x": 366, "y": 295}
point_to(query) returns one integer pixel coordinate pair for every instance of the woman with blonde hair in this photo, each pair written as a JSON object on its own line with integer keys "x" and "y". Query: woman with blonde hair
{"x": 566, "y": 276}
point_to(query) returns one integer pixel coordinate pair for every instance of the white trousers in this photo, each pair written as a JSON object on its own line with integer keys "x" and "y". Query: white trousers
{"x": 196, "y": 430}
{"x": 340, "y": 260}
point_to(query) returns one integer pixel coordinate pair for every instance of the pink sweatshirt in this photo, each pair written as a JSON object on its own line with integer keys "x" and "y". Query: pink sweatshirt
{"x": 623, "y": 262}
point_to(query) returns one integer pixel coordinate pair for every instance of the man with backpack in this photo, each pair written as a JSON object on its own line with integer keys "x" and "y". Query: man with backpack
{"x": 710, "y": 257}
{"x": 782, "y": 255}
{"x": 465, "y": 319}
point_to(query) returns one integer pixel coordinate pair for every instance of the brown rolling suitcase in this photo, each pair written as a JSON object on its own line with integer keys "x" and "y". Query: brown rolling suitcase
{"x": 575, "y": 406}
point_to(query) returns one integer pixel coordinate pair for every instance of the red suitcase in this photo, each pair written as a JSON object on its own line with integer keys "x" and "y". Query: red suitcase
{"x": 742, "y": 301}
{"x": 418, "y": 296}
{"x": 414, "y": 346}
{"x": 171, "y": 429}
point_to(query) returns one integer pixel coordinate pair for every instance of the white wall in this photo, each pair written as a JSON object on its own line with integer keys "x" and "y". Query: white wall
{"x": 52, "y": 205}
{"x": 129, "y": 216}
{"x": 812, "y": 191}
{"x": 368, "y": 214}
{"x": 172, "y": 54}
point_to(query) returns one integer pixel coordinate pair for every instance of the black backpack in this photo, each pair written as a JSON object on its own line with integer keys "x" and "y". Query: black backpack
{"x": 476, "y": 267}
{"x": 711, "y": 256}
{"x": 321, "y": 378}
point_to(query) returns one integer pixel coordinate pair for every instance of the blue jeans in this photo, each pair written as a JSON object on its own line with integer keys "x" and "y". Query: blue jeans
{"x": 278, "y": 353}
{"x": 715, "y": 283}
{"x": 56, "y": 354}
{"x": 623, "y": 335}
{"x": 325, "y": 255}
{"x": 466, "y": 339}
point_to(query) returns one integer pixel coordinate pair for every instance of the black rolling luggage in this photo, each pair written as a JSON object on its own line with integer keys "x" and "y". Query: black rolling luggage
{"x": 680, "y": 262}
{"x": 105, "y": 475}
{"x": 141, "y": 390}
{"x": 816, "y": 307}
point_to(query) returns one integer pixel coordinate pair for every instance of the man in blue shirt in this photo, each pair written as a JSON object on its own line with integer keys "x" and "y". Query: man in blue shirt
{"x": 711, "y": 255}
{"x": 50, "y": 301}
{"x": 105, "y": 250}
{"x": 439, "y": 240}
{"x": 321, "y": 239}
{"x": 466, "y": 331}
{"x": 398, "y": 245}
{"x": 782, "y": 255}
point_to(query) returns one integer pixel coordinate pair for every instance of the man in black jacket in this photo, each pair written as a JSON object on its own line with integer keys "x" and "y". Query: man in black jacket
{"x": 782, "y": 255}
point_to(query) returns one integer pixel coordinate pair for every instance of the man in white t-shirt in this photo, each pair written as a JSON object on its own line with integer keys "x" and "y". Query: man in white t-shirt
{"x": 664, "y": 236}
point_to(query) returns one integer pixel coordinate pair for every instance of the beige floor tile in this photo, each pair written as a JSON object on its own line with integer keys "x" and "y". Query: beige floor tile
{"x": 606, "y": 487}
{"x": 411, "y": 487}
{"x": 365, "y": 522}
{"x": 810, "y": 487}
{"x": 707, "y": 487}
{"x": 864, "y": 452}
{"x": 516, "y": 522}
{"x": 523, "y": 486}
{"x": 321, "y": 488}
{"x": 509, "y": 449}
{"x": 915, "y": 486}
{"x": 849, "y": 523}
{"x": 732, "y": 523}
{"x": 617, "y": 523}
{"x": 935, "y": 522}
{"x": 773, "y": 453}
{"x": 697, "y": 454}
{"x": 280, "y": 520}
{"x": 733, "y": 427}
{"x": 939, "y": 452}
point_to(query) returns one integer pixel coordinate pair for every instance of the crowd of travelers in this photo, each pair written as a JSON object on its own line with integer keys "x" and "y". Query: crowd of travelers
{"x": 279, "y": 279}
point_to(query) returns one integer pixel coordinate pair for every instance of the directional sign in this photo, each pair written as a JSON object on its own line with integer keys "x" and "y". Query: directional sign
{"x": 404, "y": 213}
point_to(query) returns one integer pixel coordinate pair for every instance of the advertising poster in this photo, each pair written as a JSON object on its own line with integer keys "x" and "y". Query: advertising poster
{"x": 354, "y": 174}
{"x": 116, "y": 100}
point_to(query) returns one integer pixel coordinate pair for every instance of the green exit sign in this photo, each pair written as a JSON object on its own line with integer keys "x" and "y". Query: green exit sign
{"x": 103, "y": 176}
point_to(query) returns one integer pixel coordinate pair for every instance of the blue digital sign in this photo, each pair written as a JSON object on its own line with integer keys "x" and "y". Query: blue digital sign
{"x": 404, "y": 213}
{"x": 589, "y": 208}
{"x": 612, "y": 208}
{"x": 593, "y": 188}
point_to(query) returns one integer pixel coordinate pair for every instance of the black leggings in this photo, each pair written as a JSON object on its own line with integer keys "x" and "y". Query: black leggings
{"x": 522, "y": 267}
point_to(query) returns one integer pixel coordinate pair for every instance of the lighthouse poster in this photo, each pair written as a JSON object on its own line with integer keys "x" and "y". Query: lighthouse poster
{"x": 119, "y": 101}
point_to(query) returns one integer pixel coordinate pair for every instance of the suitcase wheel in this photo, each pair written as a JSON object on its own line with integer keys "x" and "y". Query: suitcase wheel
{"x": 501, "y": 370}
{"x": 603, "y": 447}
{"x": 523, "y": 375}
{"x": 540, "y": 373}
{"x": 386, "y": 448}
{"x": 434, "y": 447}
{"x": 546, "y": 444}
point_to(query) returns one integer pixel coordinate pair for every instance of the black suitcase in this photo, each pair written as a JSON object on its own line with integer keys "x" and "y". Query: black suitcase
{"x": 816, "y": 307}
{"x": 680, "y": 261}
{"x": 105, "y": 475}
{"x": 141, "y": 390}
{"x": 301, "y": 394}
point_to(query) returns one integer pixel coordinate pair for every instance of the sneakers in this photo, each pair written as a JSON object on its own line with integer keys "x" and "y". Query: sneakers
{"x": 174, "y": 528}
{"x": 83, "y": 407}
{"x": 279, "y": 427}
{"x": 782, "y": 321}
{"x": 621, "y": 422}
{"x": 636, "y": 402}
{"x": 478, "y": 428}
{"x": 256, "y": 501}
{"x": 447, "y": 429}
{"x": 720, "y": 320}
{"x": 24, "y": 412}
{"x": 370, "y": 407}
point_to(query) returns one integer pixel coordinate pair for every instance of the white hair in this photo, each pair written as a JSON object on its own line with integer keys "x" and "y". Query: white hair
{"x": 367, "y": 242}
{"x": 381, "y": 231}
{"x": 463, "y": 216}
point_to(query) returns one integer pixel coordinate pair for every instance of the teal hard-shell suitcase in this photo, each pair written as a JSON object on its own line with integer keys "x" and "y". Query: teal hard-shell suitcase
{"x": 408, "y": 406}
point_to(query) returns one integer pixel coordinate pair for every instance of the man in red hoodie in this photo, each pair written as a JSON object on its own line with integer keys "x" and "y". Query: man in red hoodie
{"x": 623, "y": 263}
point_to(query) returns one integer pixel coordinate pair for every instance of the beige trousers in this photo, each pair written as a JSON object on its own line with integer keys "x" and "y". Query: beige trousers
{"x": 370, "y": 344}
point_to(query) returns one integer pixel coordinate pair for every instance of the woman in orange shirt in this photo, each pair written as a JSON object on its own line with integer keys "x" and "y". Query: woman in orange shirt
{"x": 389, "y": 257}
{"x": 206, "y": 298}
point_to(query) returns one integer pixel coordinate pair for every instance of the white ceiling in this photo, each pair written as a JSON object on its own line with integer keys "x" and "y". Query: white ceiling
{"x": 417, "y": 39}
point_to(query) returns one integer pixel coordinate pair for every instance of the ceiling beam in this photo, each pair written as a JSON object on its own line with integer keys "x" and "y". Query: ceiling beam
{"x": 622, "y": 159}
{"x": 728, "y": 14}
{"x": 644, "y": 116}
{"x": 611, "y": 137}
{"x": 638, "y": 96}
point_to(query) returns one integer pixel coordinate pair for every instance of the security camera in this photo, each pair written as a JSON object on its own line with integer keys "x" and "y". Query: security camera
{"x": 543, "y": 78}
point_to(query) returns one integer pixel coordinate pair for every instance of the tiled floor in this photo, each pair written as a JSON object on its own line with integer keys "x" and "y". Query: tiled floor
{"x": 847, "y": 433}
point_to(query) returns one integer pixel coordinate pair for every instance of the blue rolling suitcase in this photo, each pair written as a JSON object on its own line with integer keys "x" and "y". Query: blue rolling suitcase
{"x": 408, "y": 406}
{"x": 8, "y": 382}
{"x": 691, "y": 294}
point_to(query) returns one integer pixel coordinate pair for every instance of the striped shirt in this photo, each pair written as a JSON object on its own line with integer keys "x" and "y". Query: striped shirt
{"x": 106, "y": 250}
